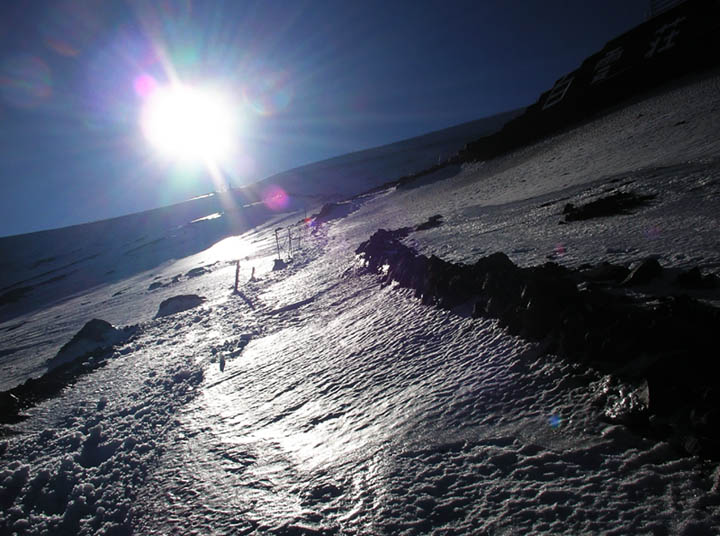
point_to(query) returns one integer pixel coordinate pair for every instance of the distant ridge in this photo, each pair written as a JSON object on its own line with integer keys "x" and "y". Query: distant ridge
{"x": 682, "y": 39}
{"x": 353, "y": 173}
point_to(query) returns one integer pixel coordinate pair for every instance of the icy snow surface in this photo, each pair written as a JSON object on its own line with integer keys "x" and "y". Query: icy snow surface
{"x": 345, "y": 407}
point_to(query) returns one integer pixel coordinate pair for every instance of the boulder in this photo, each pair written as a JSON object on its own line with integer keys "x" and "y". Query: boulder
{"x": 613, "y": 204}
{"x": 693, "y": 279}
{"x": 196, "y": 272}
{"x": 604, "y": 271}
{"x": 332, "y": 211}
{"x": 177, "y": 304}
{"x": 432, "y": 221}
{"x": 644, "y": 272}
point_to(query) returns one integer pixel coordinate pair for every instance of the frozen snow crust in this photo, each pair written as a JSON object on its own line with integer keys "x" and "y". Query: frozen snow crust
{"x": 348, "y": 407}
{"x": 80, "y": 474}
{"x": 89, "y": 349}
{"x": 585, "y": 315}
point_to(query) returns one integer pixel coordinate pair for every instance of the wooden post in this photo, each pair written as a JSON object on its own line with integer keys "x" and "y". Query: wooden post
{"x": 237, "y": 274}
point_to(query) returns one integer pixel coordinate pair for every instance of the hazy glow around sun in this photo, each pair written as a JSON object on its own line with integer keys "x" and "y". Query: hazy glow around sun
{"x": 188, "y": 123}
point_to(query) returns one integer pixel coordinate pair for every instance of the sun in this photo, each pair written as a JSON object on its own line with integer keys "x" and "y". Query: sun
{"x": 190, "y": 123}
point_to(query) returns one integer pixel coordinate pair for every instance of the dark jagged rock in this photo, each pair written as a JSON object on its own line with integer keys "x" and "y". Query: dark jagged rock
{"x": 617, "y": 203}
{"x": 332, "y": 211}
{"x": 177, "y": 304}
{"x": 626, "y": 404}
{"x": 604, "y": 271}
{"x": 644, "y": 272}
{"x": 581, "y": 94}
{"x": 279, "y": 264}
{"x": 35, "y": 390}
{"x": 583, "y": 315}
{"x": 432, "y": 221}
{"x": 693, "y": 279}
{"x": 95, "y": 335}
{"x": 95, "y": 330}
{"x": 197, "y": 272}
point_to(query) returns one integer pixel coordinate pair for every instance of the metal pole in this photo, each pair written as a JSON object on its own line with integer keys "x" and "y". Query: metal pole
{"x": 277, "y": 242}
{"x": 289, "y": 242}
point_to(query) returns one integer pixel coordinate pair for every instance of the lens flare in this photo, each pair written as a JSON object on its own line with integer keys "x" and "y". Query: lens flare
{"x": 275, "y": 198}
{"x": 62, "y": 47}
{"x": 144, "y": 85}
{"x": 25, "y": 81}
{"x": 70, "y": 27}
{"x": 268, "y": 93}
{"x": 111, "y": 73}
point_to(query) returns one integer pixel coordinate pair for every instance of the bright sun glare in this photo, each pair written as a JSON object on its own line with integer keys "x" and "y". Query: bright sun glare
{"x": 187, "y": 123}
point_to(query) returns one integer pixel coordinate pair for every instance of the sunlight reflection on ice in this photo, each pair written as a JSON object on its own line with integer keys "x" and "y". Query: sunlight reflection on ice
{"x": 201, "y": 196}
{"x": 212, "y": 216}
{"x": 228, "y": 249}
{"x": 275, "y": 198}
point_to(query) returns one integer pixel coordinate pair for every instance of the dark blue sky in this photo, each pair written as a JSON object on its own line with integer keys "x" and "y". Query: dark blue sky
{"x": 316, "y": 79}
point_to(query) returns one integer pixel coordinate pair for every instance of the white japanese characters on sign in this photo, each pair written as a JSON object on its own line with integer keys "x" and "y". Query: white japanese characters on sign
{"x": 604, "y": 66}
{"x": 665, "y": 37}
{"x": 558, "y": 91}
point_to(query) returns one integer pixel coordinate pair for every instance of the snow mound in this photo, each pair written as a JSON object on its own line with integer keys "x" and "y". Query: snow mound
{"x": 95, "y": 335}
{"x": 177, "y": 304}
{"x": 85, "y": 477}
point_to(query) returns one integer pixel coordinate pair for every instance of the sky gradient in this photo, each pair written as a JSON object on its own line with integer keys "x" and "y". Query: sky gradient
{"x": 312, "y": 80}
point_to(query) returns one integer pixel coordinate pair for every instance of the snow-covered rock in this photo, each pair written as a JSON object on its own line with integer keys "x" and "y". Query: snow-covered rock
{"x": 95, "y": 335}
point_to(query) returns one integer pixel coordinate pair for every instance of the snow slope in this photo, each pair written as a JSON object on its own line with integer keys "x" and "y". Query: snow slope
{"x": 345, "y": 407}
{"x": 339, "y": 178}
{"x": 49, "y": 267}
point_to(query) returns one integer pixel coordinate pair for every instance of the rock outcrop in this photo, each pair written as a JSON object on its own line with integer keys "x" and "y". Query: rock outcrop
{"x": 95, "y": 335}
{"x": 587, "y": 316}
{"x": 89, "y": 349}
